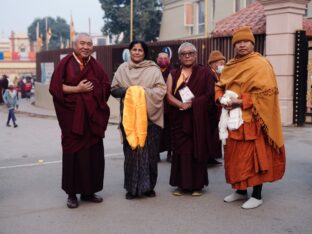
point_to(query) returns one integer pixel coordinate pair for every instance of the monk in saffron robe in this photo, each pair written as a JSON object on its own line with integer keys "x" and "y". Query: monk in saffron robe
{"x": 163, "y": 61}
{"x": 190, "y": 122}
{"x": 254, "y": 152}
{"x": 80, "y": 90}
{"x": 216, "y": 63}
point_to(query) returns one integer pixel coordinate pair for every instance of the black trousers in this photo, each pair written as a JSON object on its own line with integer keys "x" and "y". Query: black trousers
{"x": 256, "y": 193}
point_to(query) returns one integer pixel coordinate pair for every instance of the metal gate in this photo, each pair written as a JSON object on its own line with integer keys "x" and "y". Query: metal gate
{"x": 302, "y": 101}
{"x": 308, "y": 116}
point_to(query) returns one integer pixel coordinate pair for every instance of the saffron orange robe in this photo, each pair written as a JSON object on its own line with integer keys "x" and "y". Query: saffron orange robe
{"x": 254, "y": 153}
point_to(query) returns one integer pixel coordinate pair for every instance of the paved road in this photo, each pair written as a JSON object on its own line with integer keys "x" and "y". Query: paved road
{"x": 31, "y": 200}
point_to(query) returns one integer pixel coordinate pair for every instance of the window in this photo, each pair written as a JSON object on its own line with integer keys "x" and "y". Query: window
{"x": 240, "y": 4}
{"x": 237, "y": 5}
{"x": 201, "y": 16}
{"x": 101, "y": 41}
{"x": 188, "y": 15}
{"x": 248, "y": 2}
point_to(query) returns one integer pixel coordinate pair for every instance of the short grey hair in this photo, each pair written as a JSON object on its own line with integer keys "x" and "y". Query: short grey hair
{"x": 81, "y": 35}
{"x": 186, "y": 44}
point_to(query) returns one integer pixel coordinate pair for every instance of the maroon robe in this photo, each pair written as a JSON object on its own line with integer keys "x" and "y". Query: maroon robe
{"x": 83, "y": 119}
{"x": 165, "y": 138}
{"x": 191, "y": 132}
{"x": 216, "y": 147}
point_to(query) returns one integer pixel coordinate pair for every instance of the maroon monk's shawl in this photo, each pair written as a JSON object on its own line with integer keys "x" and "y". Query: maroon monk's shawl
{"x": 82, "y": 117}
{"x": 199, "y": 121}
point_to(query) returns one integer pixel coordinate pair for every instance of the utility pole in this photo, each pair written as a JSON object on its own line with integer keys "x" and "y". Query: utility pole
{"x": 206, "y": 19}
{"x": 89, "y": 26}
{"x": 131, "y": 20}
{"x": 46, "y": 33}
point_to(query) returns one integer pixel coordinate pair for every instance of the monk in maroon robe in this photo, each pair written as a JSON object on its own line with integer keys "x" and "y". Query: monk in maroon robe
{"x": 191, "y": 123}
{"x": 163, "y": 61}
{"x": 80, "y": 90}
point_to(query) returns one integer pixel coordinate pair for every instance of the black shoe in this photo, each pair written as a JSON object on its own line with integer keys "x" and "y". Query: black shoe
{"x": 72, "y": 202}
{"x": 91, "y": 198}
{"x": 169, "y": 156}
{"x": 150, "y": 193}
{"x": 129, "y": 196}
{"x": 8, "y": 125}
{"x": 15, "y": 125}
{"x": 213, "y": 161}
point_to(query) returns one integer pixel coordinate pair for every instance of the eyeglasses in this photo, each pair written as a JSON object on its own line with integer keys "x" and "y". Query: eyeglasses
{"x": 187, "y": 54}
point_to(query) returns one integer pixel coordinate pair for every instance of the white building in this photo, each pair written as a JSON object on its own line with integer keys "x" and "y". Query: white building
{"x": 184, "y": 19}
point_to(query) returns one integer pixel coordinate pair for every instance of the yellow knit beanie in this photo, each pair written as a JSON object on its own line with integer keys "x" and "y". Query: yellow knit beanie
{"x": 243, "y": 34}
{"x": 215, "y": 55}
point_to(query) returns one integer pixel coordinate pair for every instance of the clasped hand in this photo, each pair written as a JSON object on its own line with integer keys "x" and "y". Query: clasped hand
{"x": 233, "y": 103}
{"x": 186, "y": 106}
{"x": 85, "y": 86}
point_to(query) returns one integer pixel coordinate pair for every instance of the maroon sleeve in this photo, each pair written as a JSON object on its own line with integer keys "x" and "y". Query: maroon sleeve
{"x": 204, "y": 110}
{"x": 56, "y": 84}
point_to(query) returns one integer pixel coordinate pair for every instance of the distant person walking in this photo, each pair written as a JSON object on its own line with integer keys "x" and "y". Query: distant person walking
{"x": 10, "y": 99}
{"x": 80, "y": 90}
{"x": 4, "y": 84}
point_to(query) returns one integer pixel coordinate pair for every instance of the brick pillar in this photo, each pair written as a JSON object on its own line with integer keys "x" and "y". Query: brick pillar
{"x": 283, "y": 18}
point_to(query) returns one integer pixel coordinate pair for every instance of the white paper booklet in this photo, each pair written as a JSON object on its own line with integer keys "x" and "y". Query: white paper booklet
{"x": 186, "y": 94}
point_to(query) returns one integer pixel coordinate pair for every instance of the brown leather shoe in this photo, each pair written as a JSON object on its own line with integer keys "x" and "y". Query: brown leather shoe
{"x": 91, "y": 198}
{"x": 72, "y": 202}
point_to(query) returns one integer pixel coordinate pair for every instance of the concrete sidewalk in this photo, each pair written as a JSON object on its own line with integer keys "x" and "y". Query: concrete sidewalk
{"x": 28, "y": 107}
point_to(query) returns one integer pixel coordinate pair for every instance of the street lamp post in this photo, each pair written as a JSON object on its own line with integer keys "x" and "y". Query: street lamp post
{"x": 46, "y": 41}
{"x": 131, "y": 20}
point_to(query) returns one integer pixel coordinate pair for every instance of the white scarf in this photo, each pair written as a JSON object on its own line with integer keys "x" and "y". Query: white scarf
{"x": 230, "y": 119}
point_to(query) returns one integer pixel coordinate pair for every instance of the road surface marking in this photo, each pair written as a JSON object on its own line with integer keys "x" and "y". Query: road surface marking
{"x": 51, "y": 162}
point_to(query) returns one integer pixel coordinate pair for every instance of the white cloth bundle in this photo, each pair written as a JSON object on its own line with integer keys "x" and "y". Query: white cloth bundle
{"x": 230, "y": 119}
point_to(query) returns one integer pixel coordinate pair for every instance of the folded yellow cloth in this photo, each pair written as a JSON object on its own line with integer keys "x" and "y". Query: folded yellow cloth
{"x": 135, "y": 116}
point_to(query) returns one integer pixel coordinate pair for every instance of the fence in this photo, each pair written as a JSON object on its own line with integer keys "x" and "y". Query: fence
{"x": 111, "y": 56}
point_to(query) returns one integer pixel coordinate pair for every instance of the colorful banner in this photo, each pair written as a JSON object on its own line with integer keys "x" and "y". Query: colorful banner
{"x": 24, "y": 56}
{"x": 7, "y": 56}
{"x": 16, "y": 56}
{"x": 31, "y": 55}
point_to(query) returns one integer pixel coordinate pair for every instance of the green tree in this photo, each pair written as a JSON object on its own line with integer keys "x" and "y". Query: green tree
{"x": 146, "y": 19}
{"x": 59, "y": 29}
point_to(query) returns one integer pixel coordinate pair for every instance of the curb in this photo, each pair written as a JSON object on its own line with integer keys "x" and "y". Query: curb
{"x": 30, "y": 114}
{"x": 37, "y": 115}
